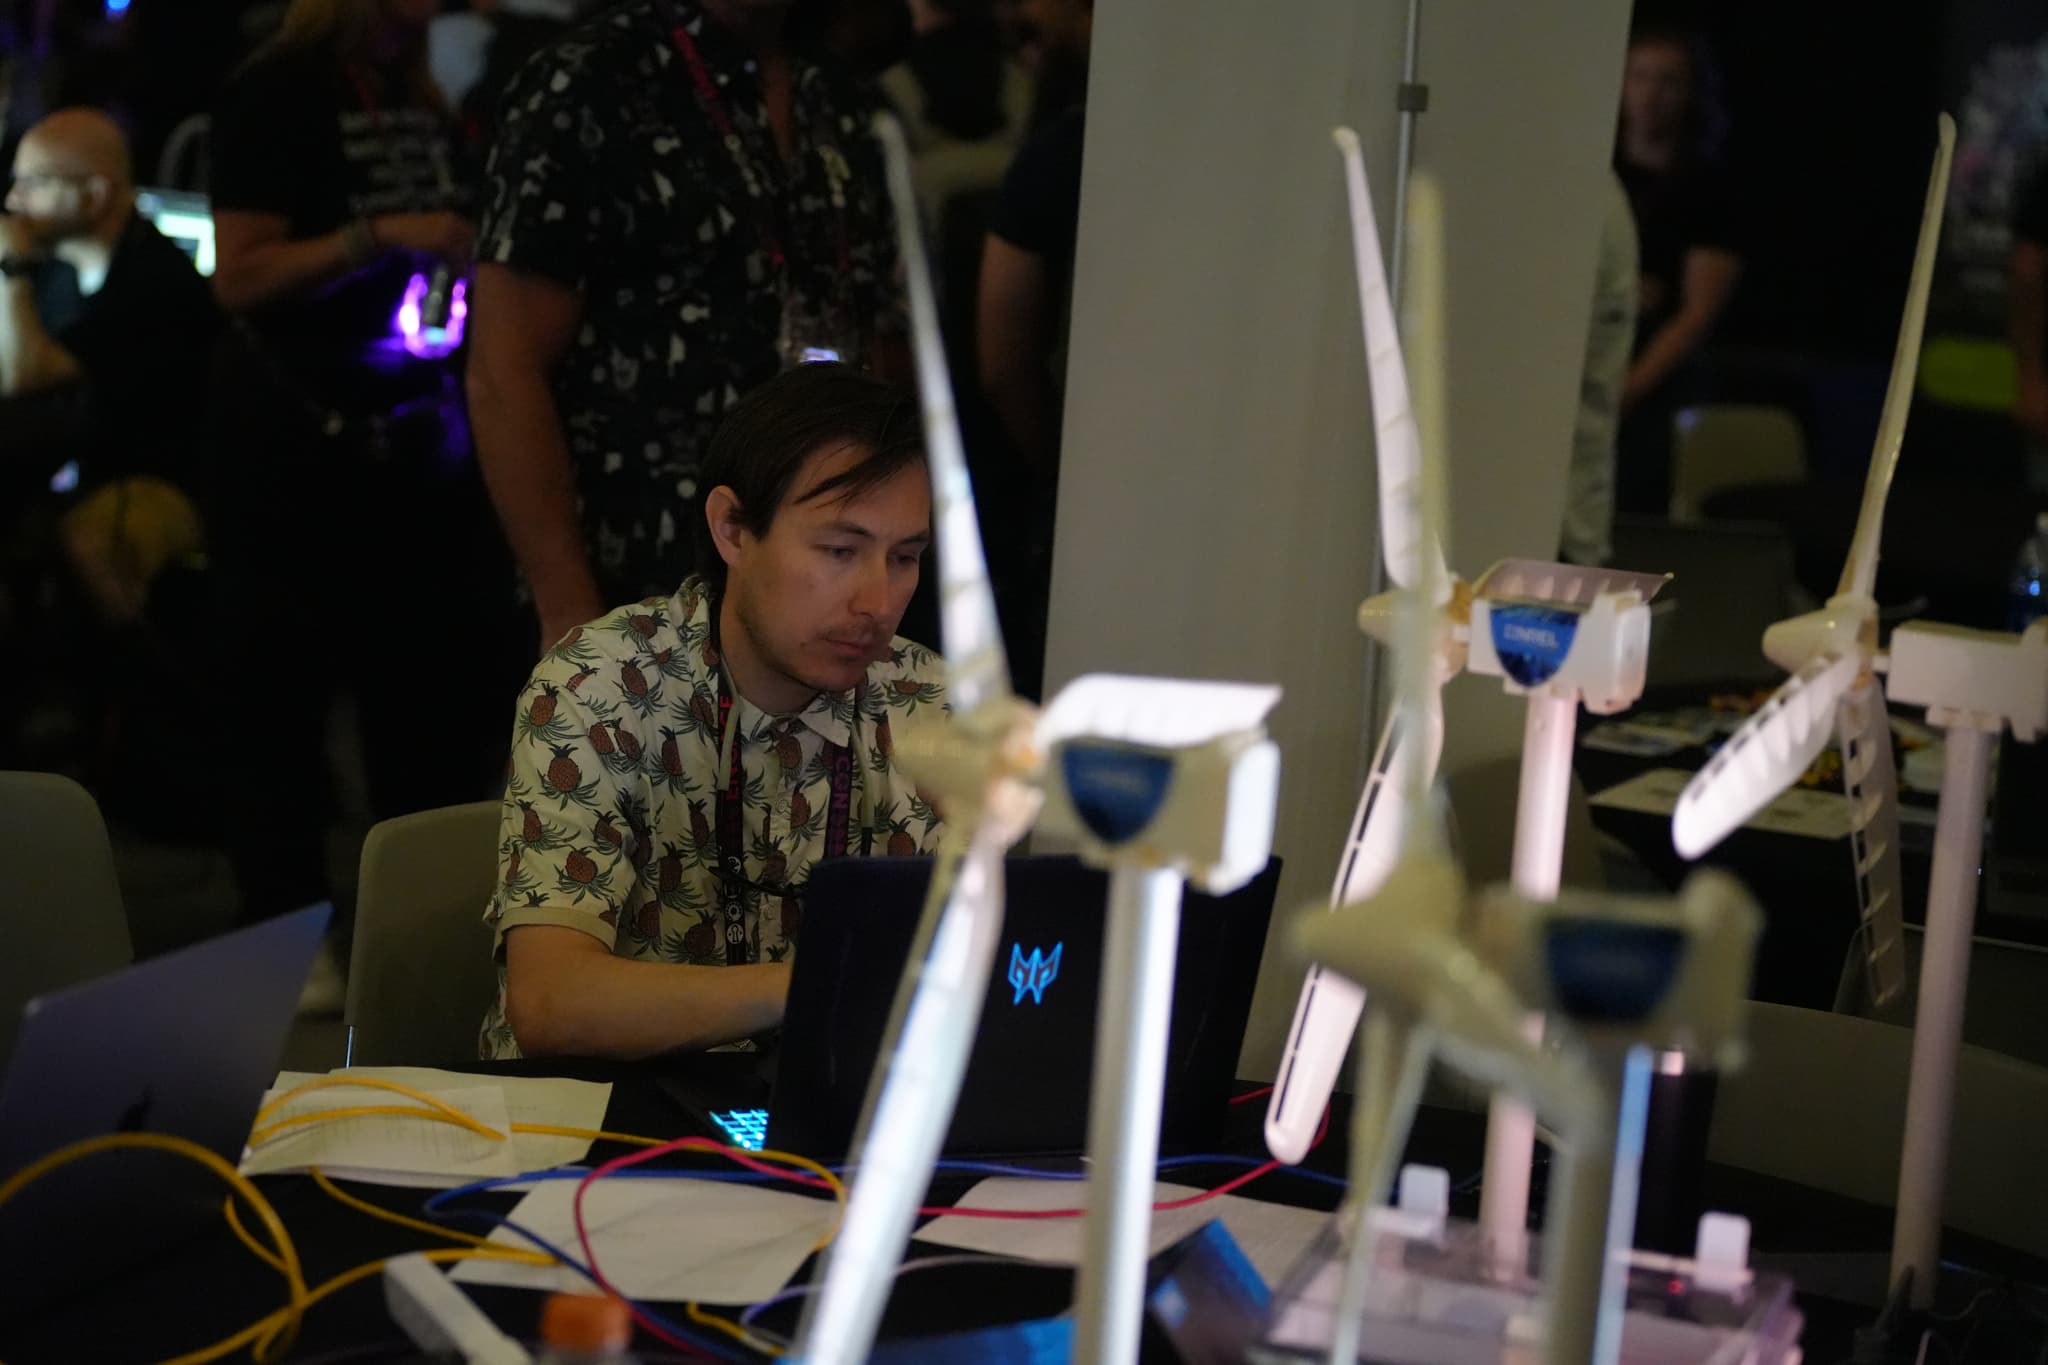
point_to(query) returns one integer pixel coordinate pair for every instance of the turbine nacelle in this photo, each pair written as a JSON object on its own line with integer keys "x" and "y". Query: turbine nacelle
{"x": 1846, "y": 625}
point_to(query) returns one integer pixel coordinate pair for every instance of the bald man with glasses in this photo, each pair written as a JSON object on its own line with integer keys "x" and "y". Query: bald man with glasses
{"x": 105, "y": 335}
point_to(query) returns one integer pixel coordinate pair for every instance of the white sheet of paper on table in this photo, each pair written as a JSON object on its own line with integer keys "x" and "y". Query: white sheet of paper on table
{"x": 528, "y": 1099}
{"x": 394, "y": 1149}
{"x": 1272, "y": 1236}
{"x": 667, "y": 1240}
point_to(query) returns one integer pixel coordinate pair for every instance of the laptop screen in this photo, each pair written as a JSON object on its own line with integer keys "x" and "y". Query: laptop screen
{"x": 183, "y": 217}
{"x": 1028, "y": 1078}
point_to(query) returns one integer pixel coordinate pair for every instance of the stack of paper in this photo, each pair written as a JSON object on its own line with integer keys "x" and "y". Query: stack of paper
{"x": 398, "y": 1149}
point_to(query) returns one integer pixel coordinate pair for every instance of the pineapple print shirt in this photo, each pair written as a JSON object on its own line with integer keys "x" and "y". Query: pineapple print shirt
{"x": 612, "y": 791}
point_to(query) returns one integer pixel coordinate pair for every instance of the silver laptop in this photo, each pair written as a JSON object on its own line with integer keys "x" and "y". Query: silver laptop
{"x": 184, "y": 1044}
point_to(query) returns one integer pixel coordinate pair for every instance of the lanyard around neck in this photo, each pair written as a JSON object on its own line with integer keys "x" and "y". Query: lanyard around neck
{"x": 750, "y": 174}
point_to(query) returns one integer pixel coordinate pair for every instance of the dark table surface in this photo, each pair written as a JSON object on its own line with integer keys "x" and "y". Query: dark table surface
{"x": 1806, "y": 886}
{"x": 211, "y": 1287}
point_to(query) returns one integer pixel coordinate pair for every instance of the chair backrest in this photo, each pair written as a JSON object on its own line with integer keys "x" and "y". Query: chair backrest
{"x": 420, "y": 971}
{"x": 1729, "y": 580}
{"x": 63, "y": 918}
{"x": 1822, "y": 1101}
{"x": 1731, "y": 445}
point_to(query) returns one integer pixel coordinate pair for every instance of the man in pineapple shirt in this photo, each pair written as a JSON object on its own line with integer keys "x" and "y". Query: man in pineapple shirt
{"x": 680, "y": 765}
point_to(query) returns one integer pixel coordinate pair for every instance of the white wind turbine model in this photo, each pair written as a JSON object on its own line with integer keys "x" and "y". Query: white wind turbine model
{"x": 1622, "y": 976}
{"x": 1831, "y": 655}
{"x": 1397, "y": 935}
{"x": 979, "y": 766}
{"x": 1973, "y": 684}
{"x": 1163, "y": 780}
{"x": 1555, "y": 633}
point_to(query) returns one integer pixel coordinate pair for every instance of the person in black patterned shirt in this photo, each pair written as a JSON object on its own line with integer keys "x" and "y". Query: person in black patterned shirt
{"x": 676, "y": 207}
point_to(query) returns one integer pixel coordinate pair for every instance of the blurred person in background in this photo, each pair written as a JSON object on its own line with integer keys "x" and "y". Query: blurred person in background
{"x": 1587, "y": 536}
{"x": 104, "y": 333}
{"x": 2028, "y": 295}
{"x": 679, "y": 204}
{"x": 1022, "y": 311}
{"x": 103, "y": 344}
{"x": 1028, "y": 261}
{"x": 1665, "y": 153}
{"x": 346, "y": 505}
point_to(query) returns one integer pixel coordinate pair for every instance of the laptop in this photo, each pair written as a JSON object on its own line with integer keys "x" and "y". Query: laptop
{"x": 1025, "y": 1091}
{"x": 183, "y": 1044}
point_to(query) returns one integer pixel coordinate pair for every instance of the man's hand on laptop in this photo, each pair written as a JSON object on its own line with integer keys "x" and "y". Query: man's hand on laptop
{"x": 566, "y": 994}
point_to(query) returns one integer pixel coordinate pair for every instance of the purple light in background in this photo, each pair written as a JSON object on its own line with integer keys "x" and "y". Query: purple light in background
{"x": 430, "y": 343}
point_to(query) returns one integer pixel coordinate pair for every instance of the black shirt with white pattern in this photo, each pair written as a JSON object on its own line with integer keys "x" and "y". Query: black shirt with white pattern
{"x": 609, "y": 175}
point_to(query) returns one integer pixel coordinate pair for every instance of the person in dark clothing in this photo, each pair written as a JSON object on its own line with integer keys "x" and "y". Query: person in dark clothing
{"x": 679, "y": 206}
{"x": 345, "y": 499}
{"x": 1027, "y": 269}
{"x": 103, "y": 342}
{"x": 1688, "y": 246}
{"x": 104, "y": 329}
{"x": 1021, "y": 316}
{"x": 2029, "y": 304}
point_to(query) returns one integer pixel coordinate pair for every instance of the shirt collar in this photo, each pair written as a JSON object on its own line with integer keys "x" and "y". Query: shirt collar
{"x": 829, "y": 715}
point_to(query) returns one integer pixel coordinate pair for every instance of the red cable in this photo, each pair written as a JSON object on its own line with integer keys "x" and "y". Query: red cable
{"x": 1251, "y": 1095}
{"x": 633, "y": 1159}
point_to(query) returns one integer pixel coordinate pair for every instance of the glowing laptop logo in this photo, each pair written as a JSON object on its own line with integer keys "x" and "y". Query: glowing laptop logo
{"x": 1031, "y": 975}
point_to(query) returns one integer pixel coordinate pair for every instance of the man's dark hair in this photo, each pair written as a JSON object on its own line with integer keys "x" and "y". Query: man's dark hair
{"x": 761, "y": 446}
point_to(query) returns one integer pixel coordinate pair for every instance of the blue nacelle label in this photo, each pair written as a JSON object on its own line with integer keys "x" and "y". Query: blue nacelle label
{"x": 1531, "y": 641}
{"x": 1117, "y": 791}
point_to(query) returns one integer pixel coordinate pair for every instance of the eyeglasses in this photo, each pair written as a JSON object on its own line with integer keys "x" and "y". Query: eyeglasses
{"x": 31, "y": 179}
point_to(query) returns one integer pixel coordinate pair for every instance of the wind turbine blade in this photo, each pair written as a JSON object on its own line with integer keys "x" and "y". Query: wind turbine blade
{"x": 1872, "y": 786}
{"x": 1405, "y": 541}
{"x": 976, "y": 668}
{"x": 1765, "y": 756}
{"x": 1326, "y": 1015}
{"x": 911, "y": 1095}
{"x": 1859, "y": 575}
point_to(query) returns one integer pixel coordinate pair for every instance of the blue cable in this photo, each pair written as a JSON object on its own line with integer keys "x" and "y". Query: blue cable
{"x": 434, "y": 1208}
{"x": 966, "y": 1167}
{"x": 703, "y": 1343}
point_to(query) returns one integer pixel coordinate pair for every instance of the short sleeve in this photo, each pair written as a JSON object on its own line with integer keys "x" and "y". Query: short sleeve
{"x": 267, "y": 120}
{"x": 1039, "y": 208}
{"x": 2030, "y": 207}
{"x": 565, "y": 853}
{"x": 1714, "y": 213}
{"x": 544, "y": 184}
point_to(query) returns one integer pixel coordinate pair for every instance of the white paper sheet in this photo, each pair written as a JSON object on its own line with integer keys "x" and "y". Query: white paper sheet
{"x": 528, "y": 1099}
{"x": 667, "y": 1240}
{"x": 1272, "y": 1236}
{"x": 389, "y": 1148}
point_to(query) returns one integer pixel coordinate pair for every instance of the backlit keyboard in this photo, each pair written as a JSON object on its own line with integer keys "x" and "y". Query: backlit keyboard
{"x": 748, "y": 1128}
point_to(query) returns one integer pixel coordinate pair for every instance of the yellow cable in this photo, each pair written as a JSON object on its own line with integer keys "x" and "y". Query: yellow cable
{"x": 248, "y": 1239}
{"x": 364, "y": 1206}
{"x": 594, "y": 1134}
{"x": 286, "y": 1319}
{"x": 259, "y": 1136}
{"x": 732, "y": 1329}
{"x": 832, "y": 1183}
{"x": 367, "y": 1083}
{"x": 257, "y": 1331}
